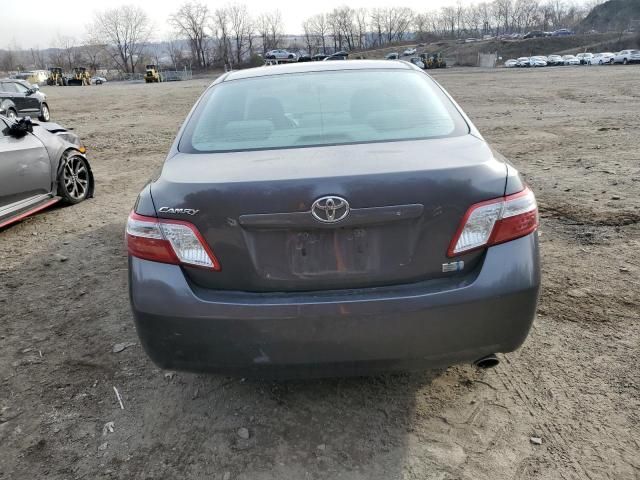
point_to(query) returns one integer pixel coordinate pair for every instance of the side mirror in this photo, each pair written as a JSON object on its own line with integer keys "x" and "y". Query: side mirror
{"x": 20, "y": 128}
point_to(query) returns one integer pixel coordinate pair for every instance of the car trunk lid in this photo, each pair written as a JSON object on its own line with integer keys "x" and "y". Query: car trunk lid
{"x": 254, "y": 208}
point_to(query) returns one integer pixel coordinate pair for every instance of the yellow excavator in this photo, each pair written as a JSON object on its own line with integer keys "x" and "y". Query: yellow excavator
{"x": 56, "y": 77}
{"x": 80, "y": 77}
{"x": 152, "y": 74}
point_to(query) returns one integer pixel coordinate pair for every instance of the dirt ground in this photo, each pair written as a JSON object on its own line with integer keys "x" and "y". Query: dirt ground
{"x": 575, "y": 383}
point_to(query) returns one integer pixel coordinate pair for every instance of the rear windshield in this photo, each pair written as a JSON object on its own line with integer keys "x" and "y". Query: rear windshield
{"x": 320, "y": 108}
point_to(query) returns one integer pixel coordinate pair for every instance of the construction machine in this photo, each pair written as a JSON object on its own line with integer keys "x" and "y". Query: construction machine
{"x": 152, "y": 74}
{"x": 56, "y": 77}
{"x": 434, "y": 60}
{"x": 439, "y": 61}
{"x": 80, "y": 77}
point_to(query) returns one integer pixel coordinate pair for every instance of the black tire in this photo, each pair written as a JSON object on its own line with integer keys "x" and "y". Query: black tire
{"x": 625, "y": 61}
{"x": 45, "y": 114}
{"x": 12, "y": 115}
{"x": 74, "y": 179}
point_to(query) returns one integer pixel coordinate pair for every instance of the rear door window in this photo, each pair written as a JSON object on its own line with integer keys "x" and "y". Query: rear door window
{"x": 9, "y": 87}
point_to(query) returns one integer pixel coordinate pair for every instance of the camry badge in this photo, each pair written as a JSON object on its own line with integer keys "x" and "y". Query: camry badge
{"x": 187, "y": 211}
{"x": 330, "y": 209}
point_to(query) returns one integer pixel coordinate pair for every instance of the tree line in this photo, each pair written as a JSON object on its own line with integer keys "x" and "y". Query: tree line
{"x": 361, "y": 28}
{"x": 203, "y": 37}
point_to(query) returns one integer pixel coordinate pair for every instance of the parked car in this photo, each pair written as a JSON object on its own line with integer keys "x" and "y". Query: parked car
{"x": 392, "y": 56}
{"x": 18, "y": 98}
{"x": 292, "y": 228}
{"x": 570, "y": 60}
{"x": 511, "y": 63}
{"x": 319, "y": 57}
{"x": 280, "y": 55}
{"x": 304, "y": 57}
{"x": 534, "y": 34}
{"x": 409, "y": 52}
{"x": 341, "y": 55}
{"x": 41, "y": 164}
{"x": 601, "y": 58}
{"x": 417, "y": 61}
{"x": 627, "y": 56}
{"x": 98, "y": 80}
{"x": 555, "y": 60}
{"x": 584, "y": 58}
{"x": 563, "y": 32}
{"x": 524, "y": 62}
{"x": 537, "y": 62}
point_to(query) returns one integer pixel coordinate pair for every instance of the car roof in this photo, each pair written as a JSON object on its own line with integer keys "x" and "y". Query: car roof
{"x": 305, "y": 67}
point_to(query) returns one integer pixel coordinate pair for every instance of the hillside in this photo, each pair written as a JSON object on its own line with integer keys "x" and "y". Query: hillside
{"x": 467, "y": 53}
{"x": 614, "y": 15}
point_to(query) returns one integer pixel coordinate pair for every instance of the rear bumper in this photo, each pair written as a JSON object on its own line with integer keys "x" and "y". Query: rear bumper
{"x": 427, "y": 324}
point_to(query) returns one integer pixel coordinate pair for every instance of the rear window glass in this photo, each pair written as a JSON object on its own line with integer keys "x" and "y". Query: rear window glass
{"x": 320, "y": 108}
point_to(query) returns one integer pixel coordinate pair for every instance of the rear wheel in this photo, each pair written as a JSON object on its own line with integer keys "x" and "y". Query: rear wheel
{"x": 625, "y": 61}
{"x": 45, "y": 115}
{"x": 74, "y": 179}
{"x": 12, "y": 115}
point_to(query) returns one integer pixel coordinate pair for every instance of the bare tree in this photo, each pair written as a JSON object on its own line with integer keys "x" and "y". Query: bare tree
{"x": 67, "y": 51}
{"x": 173, "y": 48}
{"x": 222, "y": 27}
{"x": 310, "y": 39}
{"x": 333, "y": 21}
{"x": 191, "y": 20}
{"x": 270, "y": 29}
{"x": 125, "y": 31}
{"x": 241, "y": 28}
{"x": 320, "y": 29}
{"x": 448, "y": 18}
{"x": 276, "y": 28}
{"x": 93, "y": 54}
{"x": 38, "y": 59}
{"x": 378, "y": 25}
{"x": 8, "y": 60}
{"x": 362, "y": 24}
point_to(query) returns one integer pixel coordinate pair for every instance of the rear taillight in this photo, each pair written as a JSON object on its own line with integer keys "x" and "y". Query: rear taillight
{"x": 496, "y": 221}
{"x": 168, "y": 241}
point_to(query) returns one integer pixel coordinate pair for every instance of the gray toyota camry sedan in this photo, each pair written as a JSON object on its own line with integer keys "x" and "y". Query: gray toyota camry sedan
{"x": 331, "y": 218}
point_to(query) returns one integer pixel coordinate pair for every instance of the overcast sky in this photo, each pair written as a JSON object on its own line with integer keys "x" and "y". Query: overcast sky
{"x": 34, "y": 23}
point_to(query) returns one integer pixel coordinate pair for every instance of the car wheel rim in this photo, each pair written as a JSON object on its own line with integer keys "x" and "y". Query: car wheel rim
{"x": 11, "y": 115}
{"x": 76, "y": 178}
{"x": 45, "y": 113}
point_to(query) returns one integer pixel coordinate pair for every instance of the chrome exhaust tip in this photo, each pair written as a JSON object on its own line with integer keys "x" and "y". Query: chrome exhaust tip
{"x": 488, "y": 361}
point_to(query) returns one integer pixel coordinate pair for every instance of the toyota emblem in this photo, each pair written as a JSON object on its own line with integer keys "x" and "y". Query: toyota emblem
{"x": 330, "y": 209}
